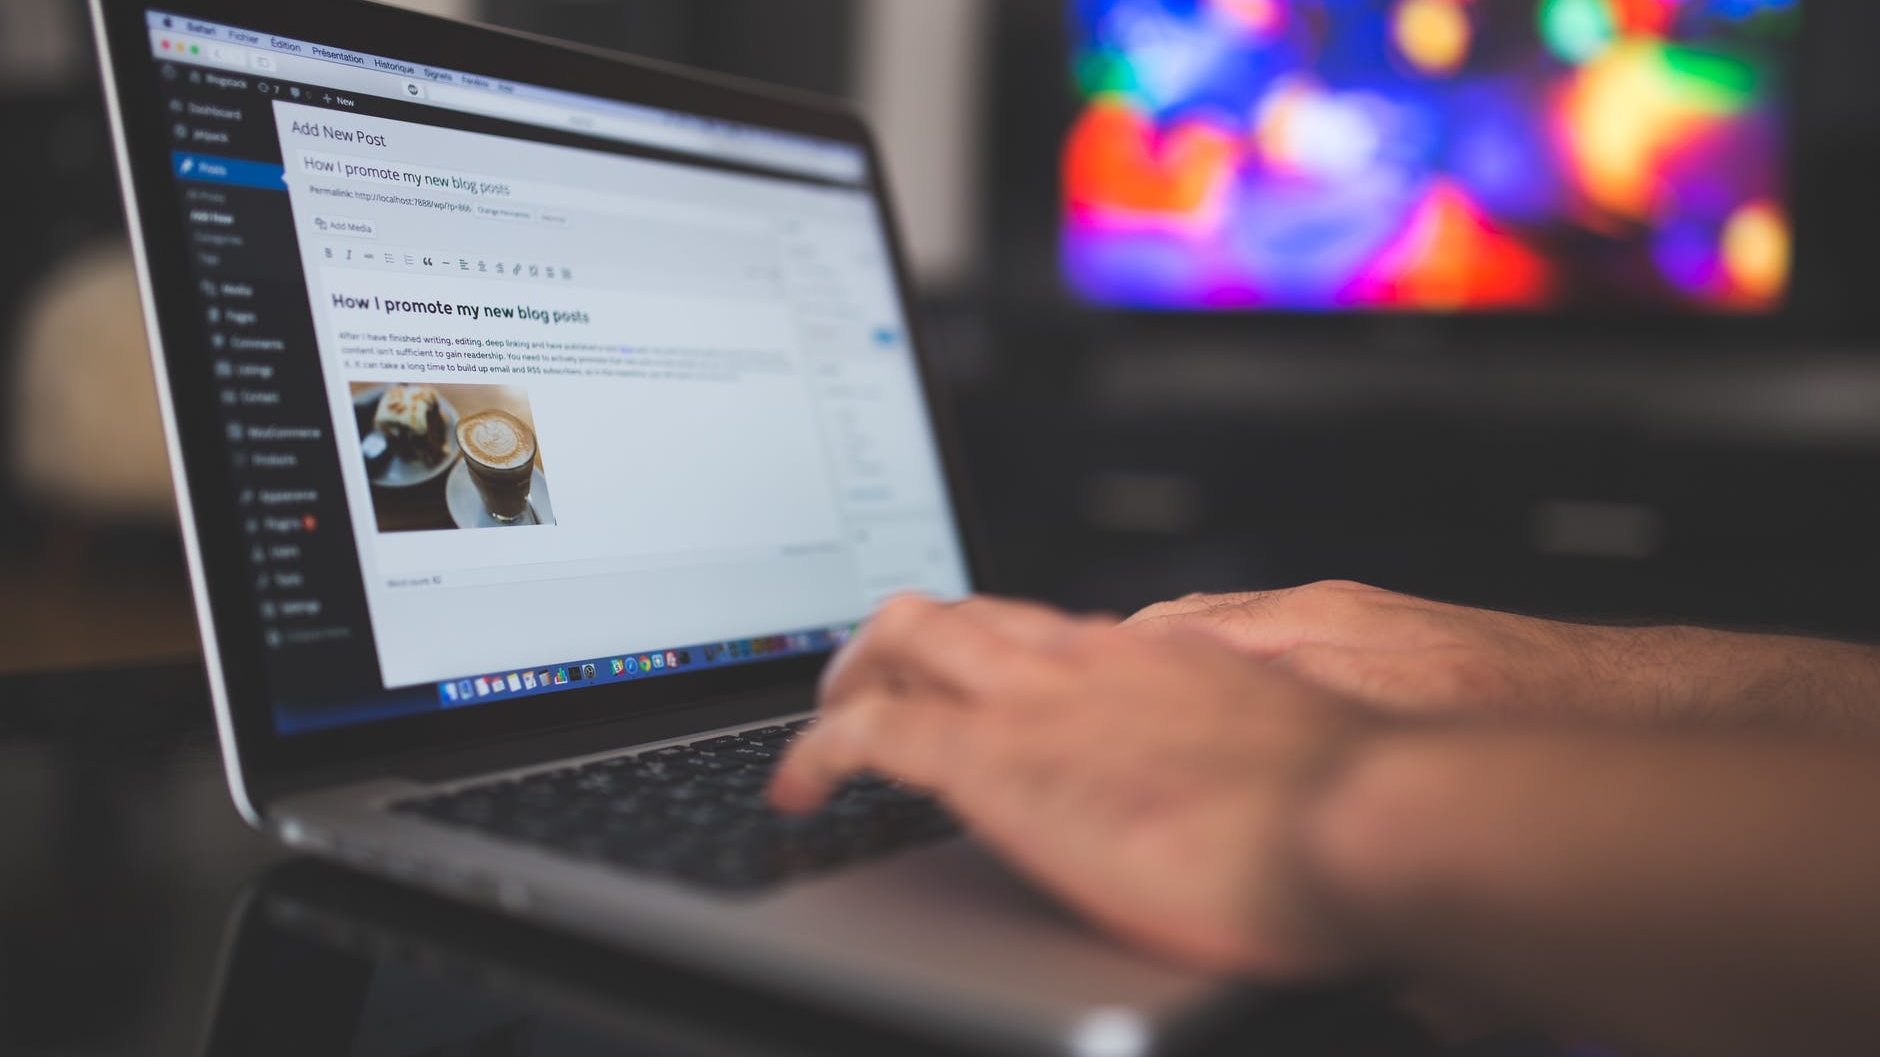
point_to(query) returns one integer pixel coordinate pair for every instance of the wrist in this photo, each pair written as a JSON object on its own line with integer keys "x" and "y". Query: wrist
{"x": 1353, "y": 840}
{"x": 1402, "y": 847}
{"x": 1652, "y": 674}
{"x": 1688, "y": 675}
{"x": 1676, "y": 674}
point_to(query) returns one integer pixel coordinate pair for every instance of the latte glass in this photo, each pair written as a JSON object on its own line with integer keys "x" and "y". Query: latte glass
{"x": 499, "y": 449}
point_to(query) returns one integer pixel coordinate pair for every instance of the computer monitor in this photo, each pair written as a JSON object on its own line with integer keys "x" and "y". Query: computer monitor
{"x": 1572, "y": 157}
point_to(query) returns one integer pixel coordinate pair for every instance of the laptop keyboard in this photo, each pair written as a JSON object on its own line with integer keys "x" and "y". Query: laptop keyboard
{"x": 697, "y": 814}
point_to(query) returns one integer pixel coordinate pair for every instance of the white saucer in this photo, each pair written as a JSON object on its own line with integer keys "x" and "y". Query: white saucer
{"x": 468, "y": 511}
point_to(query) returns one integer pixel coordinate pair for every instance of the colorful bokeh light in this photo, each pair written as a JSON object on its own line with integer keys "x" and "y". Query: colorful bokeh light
{"x": 1756, "y": 248}
{"x": 1430, "y": 155}
{"x": 1578, "y": 31}
{"x": 1433, "y": 35}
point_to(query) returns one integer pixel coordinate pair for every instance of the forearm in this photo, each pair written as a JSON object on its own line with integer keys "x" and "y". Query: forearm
{"x": 1687, "y": 896}
{"x": 1695, "y": 677}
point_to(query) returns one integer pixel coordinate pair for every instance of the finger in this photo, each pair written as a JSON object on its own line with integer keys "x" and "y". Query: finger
{"x": 963, "y": 649}
{"x": 913, "y": 737}
{"x": 859, "y": 655}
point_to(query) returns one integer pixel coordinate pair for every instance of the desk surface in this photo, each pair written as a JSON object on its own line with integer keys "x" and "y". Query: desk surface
{"x": 138, "y": 915}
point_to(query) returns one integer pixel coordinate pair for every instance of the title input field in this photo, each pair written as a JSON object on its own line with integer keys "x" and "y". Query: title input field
{"x": 501, "y": 196}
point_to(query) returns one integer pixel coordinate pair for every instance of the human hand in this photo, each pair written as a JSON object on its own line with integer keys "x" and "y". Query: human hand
{"x": 1405, "y": 654}
{"x": 1153, "y": 782}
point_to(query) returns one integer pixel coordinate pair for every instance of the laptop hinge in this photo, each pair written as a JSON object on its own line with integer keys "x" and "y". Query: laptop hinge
{"x": 465, "y": 761}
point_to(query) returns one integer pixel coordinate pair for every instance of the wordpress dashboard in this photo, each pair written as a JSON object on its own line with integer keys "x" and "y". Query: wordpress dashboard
{"x": 565, "y": 378}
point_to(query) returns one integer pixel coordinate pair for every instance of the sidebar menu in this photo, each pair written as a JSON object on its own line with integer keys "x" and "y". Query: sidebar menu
{"x": 263, "y": 364}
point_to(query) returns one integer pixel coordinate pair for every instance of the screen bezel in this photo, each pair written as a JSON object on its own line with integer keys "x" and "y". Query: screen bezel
{"x": 268, "y": 764}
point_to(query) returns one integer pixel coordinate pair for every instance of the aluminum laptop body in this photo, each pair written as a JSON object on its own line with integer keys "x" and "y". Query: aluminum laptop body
{"x": 530, "y": 408}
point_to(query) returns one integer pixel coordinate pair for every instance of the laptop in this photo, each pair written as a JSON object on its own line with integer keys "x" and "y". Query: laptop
{"x": 541, "y": 422}
{"x": 316, "y": 960}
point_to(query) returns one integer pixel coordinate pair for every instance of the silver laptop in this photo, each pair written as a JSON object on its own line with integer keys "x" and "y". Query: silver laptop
{"x": 541, "y": 421}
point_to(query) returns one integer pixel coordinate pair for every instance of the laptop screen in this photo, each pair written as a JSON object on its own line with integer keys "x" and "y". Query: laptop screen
{"x": 525, "y": 391}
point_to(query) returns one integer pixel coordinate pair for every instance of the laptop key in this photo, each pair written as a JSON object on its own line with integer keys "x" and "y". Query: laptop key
{"x": 710, "y": 765}
{"x": 741, "y": 781}
{"x": 754, "y": 754}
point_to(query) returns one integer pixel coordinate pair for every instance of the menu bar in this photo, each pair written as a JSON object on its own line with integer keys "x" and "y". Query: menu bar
{"x": 195, "y": 41}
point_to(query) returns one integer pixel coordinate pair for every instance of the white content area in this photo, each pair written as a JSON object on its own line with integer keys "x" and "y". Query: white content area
{"x": 729, "y": 414}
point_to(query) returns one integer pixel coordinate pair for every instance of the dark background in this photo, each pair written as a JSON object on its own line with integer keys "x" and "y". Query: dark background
{"x": 1602, "y": 471}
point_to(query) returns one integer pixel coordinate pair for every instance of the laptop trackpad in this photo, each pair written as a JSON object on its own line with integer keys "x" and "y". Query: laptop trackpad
{"x": 956, "y": 913}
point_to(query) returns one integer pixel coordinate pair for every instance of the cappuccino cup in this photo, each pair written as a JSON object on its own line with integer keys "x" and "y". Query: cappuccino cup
{"x": 499, "y": 450}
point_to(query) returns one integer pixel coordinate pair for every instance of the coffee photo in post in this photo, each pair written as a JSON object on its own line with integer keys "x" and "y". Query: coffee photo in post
{"x": 443, "y": 457}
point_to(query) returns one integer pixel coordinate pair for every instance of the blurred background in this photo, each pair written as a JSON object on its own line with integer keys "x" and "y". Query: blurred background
{"x": 1555, "y": 305}
{"x": 1558, "y": 305}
